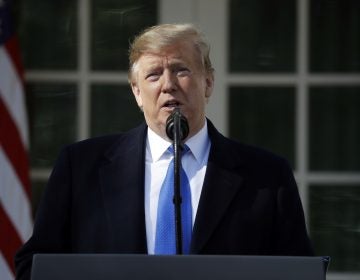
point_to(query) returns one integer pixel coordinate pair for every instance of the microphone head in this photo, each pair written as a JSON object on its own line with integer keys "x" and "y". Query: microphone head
{"x": 184, "y": 126}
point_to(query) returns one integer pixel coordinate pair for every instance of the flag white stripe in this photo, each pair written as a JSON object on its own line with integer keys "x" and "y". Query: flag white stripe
{"x": 12, "y": 93}
{"x": 14, "y": 199}
{"x": 6, "y": 273}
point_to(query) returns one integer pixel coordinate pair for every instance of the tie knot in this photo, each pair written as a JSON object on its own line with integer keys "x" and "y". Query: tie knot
{"x": 184, "y": 149}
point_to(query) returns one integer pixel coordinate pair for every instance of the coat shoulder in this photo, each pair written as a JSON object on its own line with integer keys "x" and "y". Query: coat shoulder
{"x": 106, "y": 144}
{"x": 234, "y": 151}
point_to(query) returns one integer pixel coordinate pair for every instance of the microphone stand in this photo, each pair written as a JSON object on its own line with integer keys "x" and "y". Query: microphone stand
{"x": 177, "y": 193}
{"x": 177, "y": 129}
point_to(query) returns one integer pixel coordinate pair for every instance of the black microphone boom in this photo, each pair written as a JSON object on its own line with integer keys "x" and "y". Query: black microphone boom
{"x": 177, "y": 129}
{"x": 172, "y": 119}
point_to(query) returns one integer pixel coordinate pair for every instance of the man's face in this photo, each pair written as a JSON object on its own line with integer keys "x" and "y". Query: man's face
{"x": 172, "y": 78}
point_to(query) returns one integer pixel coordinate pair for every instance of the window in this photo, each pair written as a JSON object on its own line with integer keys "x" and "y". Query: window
{"x": 75, "y": 57}
{"x": 294, "y": 87}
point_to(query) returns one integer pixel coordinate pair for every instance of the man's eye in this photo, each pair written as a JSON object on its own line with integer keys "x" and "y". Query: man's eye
{"x": 152, "y": 76}
{"x": 183, "y": 72}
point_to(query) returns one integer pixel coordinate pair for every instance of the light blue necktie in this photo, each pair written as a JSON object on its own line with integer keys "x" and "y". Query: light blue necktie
{"x": 165, "y": 241}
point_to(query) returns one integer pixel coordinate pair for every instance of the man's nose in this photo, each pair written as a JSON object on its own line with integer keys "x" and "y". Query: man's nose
{"x": 169, "y": 82}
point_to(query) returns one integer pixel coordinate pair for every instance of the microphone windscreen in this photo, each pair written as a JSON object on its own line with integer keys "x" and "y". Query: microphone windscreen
{"x": 184, "y": 125}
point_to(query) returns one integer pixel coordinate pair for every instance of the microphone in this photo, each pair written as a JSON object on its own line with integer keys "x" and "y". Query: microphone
{"x": 175, "y": 118}
{"x": 177, "y": 129}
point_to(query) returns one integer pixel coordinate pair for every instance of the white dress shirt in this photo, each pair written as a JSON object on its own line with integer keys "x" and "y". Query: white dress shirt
{"x": 156, "y": 164}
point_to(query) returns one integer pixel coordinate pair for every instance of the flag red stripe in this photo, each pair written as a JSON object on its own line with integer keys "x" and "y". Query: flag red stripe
{"x": 12, "y": 47}
{"x": 9, "y": 239}
{"x": 13, "y": 147}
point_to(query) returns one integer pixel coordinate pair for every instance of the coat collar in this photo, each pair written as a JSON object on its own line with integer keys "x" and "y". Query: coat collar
{"x": 122, "y": 180}
{"x": 222, "y": 182}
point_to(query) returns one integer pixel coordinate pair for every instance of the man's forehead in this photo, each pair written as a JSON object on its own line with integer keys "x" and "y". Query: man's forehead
{"x": 183, "y": 53}
{"x": 154, "y": 58}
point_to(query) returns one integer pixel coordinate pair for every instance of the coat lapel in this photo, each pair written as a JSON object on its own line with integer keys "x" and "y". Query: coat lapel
{"x": 122, "y": 180}
{"x": 221, "y": 183}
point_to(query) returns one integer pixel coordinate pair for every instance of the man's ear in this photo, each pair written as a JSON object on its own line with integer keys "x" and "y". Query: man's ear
{"x": 137, "y": 93}
{"x": 209, "y": 85}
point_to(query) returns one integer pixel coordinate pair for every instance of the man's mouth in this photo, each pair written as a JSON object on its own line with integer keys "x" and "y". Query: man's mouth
{"x": 171, "y": 104}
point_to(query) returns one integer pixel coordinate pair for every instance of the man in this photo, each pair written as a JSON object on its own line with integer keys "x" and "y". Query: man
{"x": 102, "y": 196}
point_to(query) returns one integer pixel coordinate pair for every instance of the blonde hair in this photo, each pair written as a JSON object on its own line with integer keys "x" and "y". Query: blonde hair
{"x": 156, "y": 38}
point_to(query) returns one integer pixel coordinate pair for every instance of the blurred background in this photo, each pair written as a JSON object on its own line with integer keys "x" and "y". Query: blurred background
{"x": 287, "y": 78}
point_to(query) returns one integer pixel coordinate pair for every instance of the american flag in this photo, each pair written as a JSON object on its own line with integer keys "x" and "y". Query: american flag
{"x": 15, "y": 193}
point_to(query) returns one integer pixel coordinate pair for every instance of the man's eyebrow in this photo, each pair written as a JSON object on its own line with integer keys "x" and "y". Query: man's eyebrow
{"x": 177, "y": 64}
{"x": 152, "y": 67}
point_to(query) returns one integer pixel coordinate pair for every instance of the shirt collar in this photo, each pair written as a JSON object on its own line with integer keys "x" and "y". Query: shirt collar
{"x": 156, "y": 145}
{"x": 198, "y": 144}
